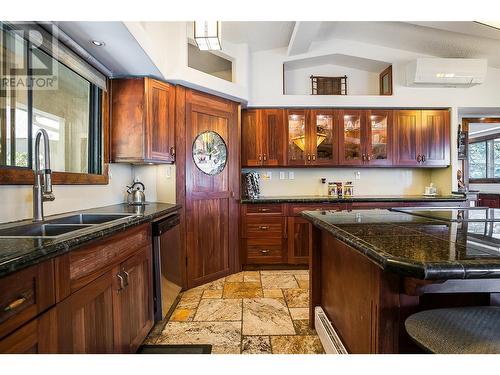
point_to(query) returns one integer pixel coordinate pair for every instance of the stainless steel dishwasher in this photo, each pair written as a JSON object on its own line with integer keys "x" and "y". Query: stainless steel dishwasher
{"x": 167, "y": 271}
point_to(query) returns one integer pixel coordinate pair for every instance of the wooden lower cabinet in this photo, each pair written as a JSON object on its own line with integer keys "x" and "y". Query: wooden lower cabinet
{"x": 103, "y": 302}
{"x": 133, "y": 303}
{"x": 299, "y": 240}
{"x": 85, "y": 318}
{"x": 36, "y": 337}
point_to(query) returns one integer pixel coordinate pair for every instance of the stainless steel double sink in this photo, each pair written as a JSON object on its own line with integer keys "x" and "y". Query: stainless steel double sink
{"x": 54, "y": 228}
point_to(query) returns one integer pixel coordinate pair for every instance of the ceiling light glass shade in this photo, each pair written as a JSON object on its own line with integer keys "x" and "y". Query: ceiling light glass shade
{"x": 207, "y": 35}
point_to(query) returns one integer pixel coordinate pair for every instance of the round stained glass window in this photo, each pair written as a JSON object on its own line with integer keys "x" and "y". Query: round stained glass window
{"x": 210, "y": 152}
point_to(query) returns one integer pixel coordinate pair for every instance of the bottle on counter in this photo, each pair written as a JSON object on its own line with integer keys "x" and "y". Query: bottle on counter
{"x": 348, "y": 189}
{"x": 332, "y": 189}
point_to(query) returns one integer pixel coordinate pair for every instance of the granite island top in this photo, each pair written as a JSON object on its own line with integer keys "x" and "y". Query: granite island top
{"x": 416, "y": 246}
{"x": 19, "y": 253}
{"x": 356, "y": 198}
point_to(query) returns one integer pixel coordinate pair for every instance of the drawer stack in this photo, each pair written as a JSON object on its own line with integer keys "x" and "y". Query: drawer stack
{"x": 264, "y": 233}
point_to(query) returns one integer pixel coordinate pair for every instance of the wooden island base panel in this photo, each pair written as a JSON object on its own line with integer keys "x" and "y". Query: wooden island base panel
{"x": 367, "y": 300}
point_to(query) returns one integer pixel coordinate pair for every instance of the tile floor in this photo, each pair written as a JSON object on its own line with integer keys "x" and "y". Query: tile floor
{"x": 251, "y": 312}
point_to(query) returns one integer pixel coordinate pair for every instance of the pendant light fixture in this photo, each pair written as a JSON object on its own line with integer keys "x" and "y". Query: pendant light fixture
{"x": 207, "y": 35}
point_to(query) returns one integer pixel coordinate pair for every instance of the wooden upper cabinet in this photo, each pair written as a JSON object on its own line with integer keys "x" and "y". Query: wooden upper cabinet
{"x": 435, "y": 146}
{"x": 323, "y": 137}
{"x": 263, "y": 134}
{"x": 142, "y": 121}
{"x": 352, "y": 133}
{"x": 378, "y": 143}
{"x": 272, "y": 137}
{"x": 422, "y": 138}
{"x": 251, "y": 145}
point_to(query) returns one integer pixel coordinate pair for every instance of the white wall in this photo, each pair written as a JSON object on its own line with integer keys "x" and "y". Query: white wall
{"x": 359, "y": 82}
{"x": 372, "y": 182}
{"x": 166, "y": 44}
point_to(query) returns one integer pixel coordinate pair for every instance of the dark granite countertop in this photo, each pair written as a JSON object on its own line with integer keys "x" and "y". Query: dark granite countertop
{"x": 19, "y": 253}
{"x": 356, "y": 198}
{"x": 416, "y": 246}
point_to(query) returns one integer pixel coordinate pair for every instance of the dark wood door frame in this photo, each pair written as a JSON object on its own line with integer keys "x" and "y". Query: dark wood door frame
{"x": 465, "y": 127}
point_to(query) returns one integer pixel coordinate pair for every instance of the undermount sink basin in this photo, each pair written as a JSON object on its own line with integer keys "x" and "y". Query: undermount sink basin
{"x": 58, "y": 227}
{"x": 88, "y": 219}
{"x": 40, "y": 230}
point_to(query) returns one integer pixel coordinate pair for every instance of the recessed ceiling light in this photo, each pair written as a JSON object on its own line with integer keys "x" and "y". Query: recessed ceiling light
{"x": 97, "y": 43}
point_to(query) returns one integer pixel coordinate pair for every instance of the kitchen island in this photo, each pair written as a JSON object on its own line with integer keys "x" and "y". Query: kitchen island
{"x": 370, "y": 270}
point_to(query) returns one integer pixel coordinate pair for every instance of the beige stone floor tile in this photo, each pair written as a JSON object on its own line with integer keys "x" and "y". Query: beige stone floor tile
{"x": 212, "y": 293}
{"x": 251, "y": 276}
{"x": 278, "y": 281}
{"x": 299, "y": 313}
{"x": 302, "y": 327}
{"x": 242, "y": 290}
{"x": 182, "y": 315}
{"x": 214, "y": 333}
{"x": 296, "y": 345}
{"x": 190, "y": 299}
{"x": 304, "y": 284}
{"x": 301, "y": 272}
{"x": 214, "y": 285}
{"x": 283, "y": 272}
{"x": 273, "y": 293}
{"x": 296, "y": 297}
{"x": 255, "y": 345}
{"x": 234, "y": 278}
{"x": 266, "y": 316}
{"x": 210, "y": 310}
{"x": 226, "y": 349}
{"x": 301, "y": 276}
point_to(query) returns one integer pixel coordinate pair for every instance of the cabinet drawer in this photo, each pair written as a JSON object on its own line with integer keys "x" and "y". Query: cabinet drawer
{"x": 263, "y": 226}
{"x": 267, "y": 209}
{"x": 267, "y": 250}
{"x": 24, "y": 295}
{"x": 296, "y": 210}
{"x": 80, "y": 267}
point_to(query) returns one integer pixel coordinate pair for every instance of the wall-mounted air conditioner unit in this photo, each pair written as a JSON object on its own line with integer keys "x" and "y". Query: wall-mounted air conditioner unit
{"x": 436, "y": 72}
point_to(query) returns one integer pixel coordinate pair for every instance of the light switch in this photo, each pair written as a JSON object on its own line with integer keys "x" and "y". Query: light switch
{"x": 282, "y": 175}
{"x": 291, "y": 175}
{"x": 168, "y": 172}
{"x": 357, "y": 175}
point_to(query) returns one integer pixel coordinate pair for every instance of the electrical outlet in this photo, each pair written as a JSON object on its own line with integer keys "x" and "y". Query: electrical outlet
{"x": 168, "y": 172}
{"x": 291, "y": 175}
{"x": 357, "y": 175}
{"x": 269, "y": 175}
{"x": 282, "y": 175}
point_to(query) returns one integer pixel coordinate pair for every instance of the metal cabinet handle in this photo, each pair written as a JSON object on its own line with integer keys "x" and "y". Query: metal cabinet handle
{"x": 419, "y": 158}
{"x": 122, "y": 281}
{"x": 363, "y": 157}
{"x": 264, "y": 209}
{"x": 314, "y": 157}
{"x": 172, "y": 151}
{"x": 265, "y": 157}
{"x": 15, "y": 304}
{"x": 308, "y": 157}
{"x": 368, "y": 157}
{"x": 264, "y": 251}
{"x": 263, "y": 227}
{"x": 127, "y": 276}
{"x": 260, "y": 157}
{"x": 423, "y": 158}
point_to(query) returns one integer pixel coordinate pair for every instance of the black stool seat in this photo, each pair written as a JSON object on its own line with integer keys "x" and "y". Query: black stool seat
{"x": 462, "y": 330}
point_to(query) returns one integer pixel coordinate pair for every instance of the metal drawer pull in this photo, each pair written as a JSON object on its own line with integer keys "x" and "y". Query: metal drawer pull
{"x": 314, "y": 157}
{"x": 419, "y": 158}
{"x": 265, "y": 157}
{"x": 264, "y": 209}
{"x": 263, "y": 227}
{"x": 264, "y": 251}
{"x": 423, "y": 158}
{"x": 15, "y": 304}
{"x": 126, "y": 280}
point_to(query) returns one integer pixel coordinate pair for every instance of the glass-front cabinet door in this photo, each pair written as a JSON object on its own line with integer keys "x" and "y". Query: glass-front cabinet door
{"x": 323, "y": 137}
{"x": 379, "y": 137}
{"x": 298, "y": 151}
{"x": 351, "y": 136}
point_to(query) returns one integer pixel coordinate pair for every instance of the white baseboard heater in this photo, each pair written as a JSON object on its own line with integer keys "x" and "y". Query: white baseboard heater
{"x": 329, "y": 338}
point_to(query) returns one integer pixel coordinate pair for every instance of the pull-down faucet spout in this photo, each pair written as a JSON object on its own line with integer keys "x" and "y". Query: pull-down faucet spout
{"x": 42, "y": 192}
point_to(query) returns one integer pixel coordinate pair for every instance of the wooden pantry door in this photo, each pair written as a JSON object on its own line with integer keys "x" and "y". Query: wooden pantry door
{"x": 211, "y": 200}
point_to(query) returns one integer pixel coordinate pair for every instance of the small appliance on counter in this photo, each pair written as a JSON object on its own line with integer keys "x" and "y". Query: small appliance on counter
{"x": 136, "y": 195}
{"x": 251, "y": 187}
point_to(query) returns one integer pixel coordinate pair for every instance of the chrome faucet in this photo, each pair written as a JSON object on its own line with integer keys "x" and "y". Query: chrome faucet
{"x": 42, "y": 192}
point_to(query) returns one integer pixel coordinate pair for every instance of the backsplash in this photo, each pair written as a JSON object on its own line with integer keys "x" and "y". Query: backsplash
{"x": 394, "y": 181}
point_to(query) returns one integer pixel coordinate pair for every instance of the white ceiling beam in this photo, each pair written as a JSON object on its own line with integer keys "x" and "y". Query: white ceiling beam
{"x": 303, "y": 35}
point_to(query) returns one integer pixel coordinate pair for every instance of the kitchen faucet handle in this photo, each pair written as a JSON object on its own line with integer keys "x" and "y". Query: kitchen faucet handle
{"x": 48, "y": 197}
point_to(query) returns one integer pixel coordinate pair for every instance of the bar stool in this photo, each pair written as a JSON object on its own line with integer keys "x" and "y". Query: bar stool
{"x": 461, "y": 330}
